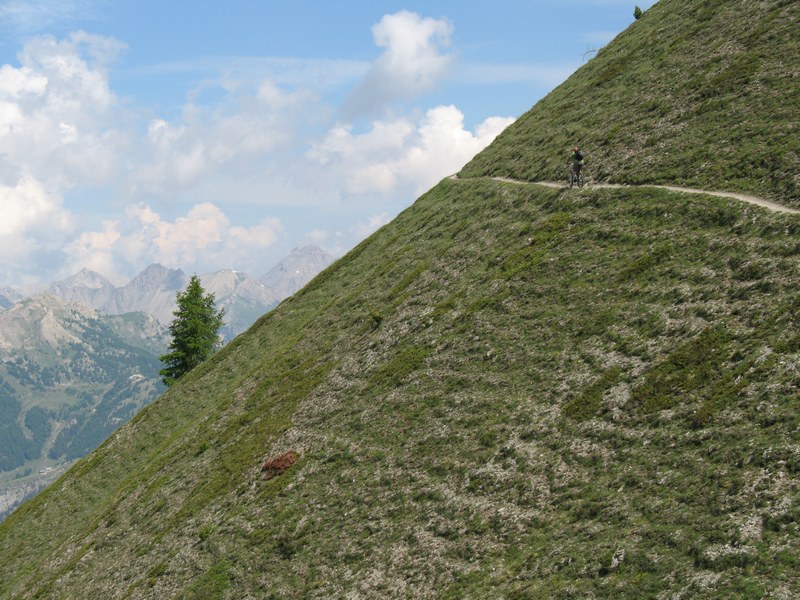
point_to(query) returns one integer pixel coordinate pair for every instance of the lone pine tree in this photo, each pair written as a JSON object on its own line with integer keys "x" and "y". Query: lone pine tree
{"x": 194, "y": 332}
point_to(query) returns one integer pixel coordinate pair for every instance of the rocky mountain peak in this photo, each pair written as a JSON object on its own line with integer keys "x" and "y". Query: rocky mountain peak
{"x": 298, "y": 268}
{"x": 157, "y": 276}
{"x": 227, "y": 282}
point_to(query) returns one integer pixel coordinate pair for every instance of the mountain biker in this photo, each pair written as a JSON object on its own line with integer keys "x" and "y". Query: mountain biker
{"x": 576, "y": 160}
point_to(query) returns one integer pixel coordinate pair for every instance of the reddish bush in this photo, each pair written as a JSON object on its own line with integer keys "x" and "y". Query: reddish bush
{"x": 278, "y": 464}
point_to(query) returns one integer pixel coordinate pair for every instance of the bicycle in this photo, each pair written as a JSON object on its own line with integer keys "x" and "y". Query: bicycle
{"x": 575, "y": 178}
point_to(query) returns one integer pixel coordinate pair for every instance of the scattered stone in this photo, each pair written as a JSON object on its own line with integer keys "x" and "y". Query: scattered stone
{"x": 618, "y": 558}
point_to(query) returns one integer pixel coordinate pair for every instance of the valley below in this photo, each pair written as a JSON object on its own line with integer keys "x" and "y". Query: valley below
{"x": 82, "y": 359}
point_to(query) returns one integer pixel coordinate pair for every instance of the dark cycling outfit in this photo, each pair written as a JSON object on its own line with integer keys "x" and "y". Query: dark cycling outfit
{"x": 577, "y": 162}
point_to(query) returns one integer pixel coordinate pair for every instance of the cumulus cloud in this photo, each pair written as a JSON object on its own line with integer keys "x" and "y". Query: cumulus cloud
{"x": 66, "y": 135}
{"x": 58, "y": 115}
{"x": 412, "y": 63}
{"x": 17, "y": 83}
{"x": 204, "y": 239}
{"x": 62, "y": 128}
{"x": 96, "y": 250}
{"x": 26, "y": 206}
{"x": 32, "y": 221}
{"x": 248, "y": 125}
{"x": 402, "y": 153}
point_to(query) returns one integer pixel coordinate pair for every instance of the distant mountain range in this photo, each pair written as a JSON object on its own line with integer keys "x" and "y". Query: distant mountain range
{"x": 244, "y": 297}
{"x": 68, "y": 377}
{"x": 81, "y": 359}
{"x": 153, "y": 292}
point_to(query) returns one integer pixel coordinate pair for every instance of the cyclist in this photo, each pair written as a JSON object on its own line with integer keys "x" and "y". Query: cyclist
{"x": 576, "y": 161}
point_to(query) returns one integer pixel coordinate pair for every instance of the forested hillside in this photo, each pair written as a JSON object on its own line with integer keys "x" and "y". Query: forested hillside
{"x": 68, "y": 378}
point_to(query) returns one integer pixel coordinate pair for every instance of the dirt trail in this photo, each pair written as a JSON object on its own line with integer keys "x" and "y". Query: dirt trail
{"x": 773, "y": 206}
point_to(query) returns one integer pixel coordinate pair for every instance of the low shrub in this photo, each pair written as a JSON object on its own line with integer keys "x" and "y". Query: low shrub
{"x": 278, "y": 464}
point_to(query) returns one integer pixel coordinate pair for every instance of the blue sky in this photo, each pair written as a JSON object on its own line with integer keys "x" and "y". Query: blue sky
{"x": 207, "y": 135}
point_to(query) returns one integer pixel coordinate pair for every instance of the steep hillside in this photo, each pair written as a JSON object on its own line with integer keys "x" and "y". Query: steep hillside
{"x": 509, "y": 388}
{"x": 510, "y": 391}
{"x": 688, "y": 95}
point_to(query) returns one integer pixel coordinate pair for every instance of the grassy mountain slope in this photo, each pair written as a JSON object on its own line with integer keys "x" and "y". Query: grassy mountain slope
{"x": 701, "y": 94}
{"x": 500, "y": 392}
{"x": 509, "y": 391}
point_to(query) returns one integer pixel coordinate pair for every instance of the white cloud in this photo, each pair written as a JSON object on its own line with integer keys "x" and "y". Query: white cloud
{"x": 259, "y": 236}
{"x": 75, "y": 69}
{"x": 317, "y": 236}
{"x": 249, "y": 140}
{"x": 179, "y": 242}
{"x": 28, "y": 205}
{"x": 16, "y": 83}
{"x": 401, "y": 154}
{"x": 58, "y": 116}
{"x": 32, "y": 221}
{"x": 241, "y": 133}
{"x": 95, "y": 250}
{"x": 202, "y": 240}
{"x": 412, "y": 63}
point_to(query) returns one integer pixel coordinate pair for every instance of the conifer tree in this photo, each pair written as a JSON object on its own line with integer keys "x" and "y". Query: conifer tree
{"x": 637, "y": 13}
{"x": 194, "y": 332}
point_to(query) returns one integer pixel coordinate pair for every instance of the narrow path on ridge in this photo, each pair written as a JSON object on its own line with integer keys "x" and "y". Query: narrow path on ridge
{"x": 773, "y": 206}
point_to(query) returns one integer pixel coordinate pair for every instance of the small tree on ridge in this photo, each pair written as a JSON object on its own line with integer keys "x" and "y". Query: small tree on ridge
{"x": 194, "y": 332}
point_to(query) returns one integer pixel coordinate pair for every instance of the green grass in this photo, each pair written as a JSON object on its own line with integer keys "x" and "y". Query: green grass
{"x": 588, "y": 402}
{"x": 516, "y": 422}
{"x": 509, "y": 391}
{"x": 671, "y": 101}
{"x": 211, "y": 585}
